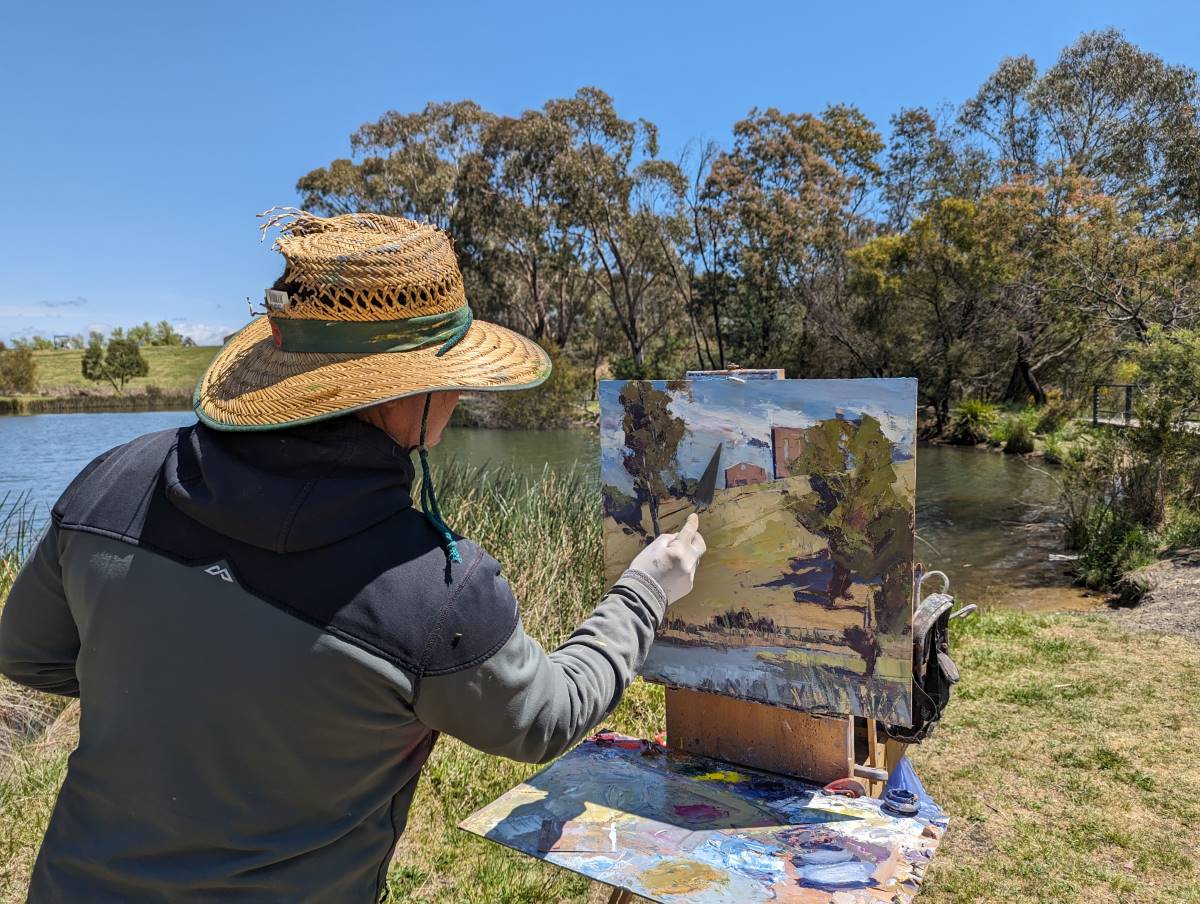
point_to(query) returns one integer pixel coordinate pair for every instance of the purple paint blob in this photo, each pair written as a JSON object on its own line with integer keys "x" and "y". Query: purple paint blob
{"x": 696, "y": 812}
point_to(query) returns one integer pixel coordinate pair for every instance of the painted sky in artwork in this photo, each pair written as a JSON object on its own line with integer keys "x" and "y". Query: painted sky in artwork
{"x": 741, "y": 415}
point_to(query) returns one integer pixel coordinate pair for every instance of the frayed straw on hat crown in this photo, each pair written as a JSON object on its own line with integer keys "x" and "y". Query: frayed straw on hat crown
{"x": 364, "y": 266}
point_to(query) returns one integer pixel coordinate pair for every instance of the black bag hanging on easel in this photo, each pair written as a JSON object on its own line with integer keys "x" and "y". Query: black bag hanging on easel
{"x": 934, "y": 672}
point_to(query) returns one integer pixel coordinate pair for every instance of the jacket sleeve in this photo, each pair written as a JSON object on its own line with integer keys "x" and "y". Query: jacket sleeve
{"x": 39, "y": 641}
{"x": 530, "y": 705}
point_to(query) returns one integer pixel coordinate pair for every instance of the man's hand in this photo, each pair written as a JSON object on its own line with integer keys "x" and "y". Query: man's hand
{"x": 672, "y": 559}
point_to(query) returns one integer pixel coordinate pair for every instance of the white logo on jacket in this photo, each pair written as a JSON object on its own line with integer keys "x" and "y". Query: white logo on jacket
{"x": 219, "y": 571}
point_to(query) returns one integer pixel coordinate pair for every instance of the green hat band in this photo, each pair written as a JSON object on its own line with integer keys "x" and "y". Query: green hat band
{"x": 368, "y": 337}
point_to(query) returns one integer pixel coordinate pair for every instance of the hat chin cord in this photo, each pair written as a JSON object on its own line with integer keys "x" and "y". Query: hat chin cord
{"x": 429, "y": 504}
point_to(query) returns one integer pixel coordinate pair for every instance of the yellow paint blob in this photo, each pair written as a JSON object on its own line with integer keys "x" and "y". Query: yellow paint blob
{"x": 597, "y": 814}
{"x": 723, "y": 775}
{"x": 681, "y": 877}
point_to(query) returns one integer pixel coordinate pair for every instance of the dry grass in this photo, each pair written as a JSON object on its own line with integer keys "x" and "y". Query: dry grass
{"x": 1065, "y": 760}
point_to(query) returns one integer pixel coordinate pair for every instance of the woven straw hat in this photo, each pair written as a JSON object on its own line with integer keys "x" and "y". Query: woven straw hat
{"x": 374, "y": 311}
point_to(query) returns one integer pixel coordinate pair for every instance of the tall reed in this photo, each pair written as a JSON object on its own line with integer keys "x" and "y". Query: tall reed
{"x": 544, "y": 530}
{"x": 23, "y": 713}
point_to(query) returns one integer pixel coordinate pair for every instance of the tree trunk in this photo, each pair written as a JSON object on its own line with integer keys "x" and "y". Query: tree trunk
{"x": 1023, "y": 381}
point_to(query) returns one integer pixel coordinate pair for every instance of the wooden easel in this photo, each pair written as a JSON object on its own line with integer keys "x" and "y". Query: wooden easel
{"x": 815, "y": 748}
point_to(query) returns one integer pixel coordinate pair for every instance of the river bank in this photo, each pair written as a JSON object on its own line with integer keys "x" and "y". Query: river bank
{"x": 1165, "y": 596}
{"x": 99, "y": 403}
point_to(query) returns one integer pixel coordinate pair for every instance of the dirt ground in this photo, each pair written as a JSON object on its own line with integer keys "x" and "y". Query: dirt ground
{"x": 1172, "y": 604}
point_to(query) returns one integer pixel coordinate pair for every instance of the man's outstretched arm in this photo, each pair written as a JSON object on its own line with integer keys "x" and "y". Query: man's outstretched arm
{"x": 530, "y": 705}
{"x": 39, "y": 640}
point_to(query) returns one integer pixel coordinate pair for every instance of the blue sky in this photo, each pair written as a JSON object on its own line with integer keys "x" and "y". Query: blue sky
{"x": 138, "y": 140}
{"x": 740, "y": 416}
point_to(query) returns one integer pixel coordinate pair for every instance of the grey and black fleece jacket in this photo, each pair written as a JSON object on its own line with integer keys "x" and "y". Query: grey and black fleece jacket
{"x": 266, "y": 639}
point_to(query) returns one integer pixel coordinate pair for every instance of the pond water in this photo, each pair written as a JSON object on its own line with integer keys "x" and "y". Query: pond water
{"x": 984, "y": 518}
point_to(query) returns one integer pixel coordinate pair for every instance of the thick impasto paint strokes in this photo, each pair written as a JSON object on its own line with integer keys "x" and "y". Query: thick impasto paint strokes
{"x": 805, "y": 596}
{"x": 674, "y": 828}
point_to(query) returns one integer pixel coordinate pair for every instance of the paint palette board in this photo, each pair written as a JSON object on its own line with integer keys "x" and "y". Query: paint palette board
{"x": 673, "y": 828}
{"x": 804, "y": 599}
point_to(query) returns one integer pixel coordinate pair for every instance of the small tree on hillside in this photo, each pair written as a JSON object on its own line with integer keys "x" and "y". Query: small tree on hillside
{"x": 118, "y": 363}
{"x": 18, "y": 371}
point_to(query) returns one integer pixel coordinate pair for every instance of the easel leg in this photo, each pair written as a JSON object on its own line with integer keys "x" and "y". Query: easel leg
{"x": 620, "y": 896}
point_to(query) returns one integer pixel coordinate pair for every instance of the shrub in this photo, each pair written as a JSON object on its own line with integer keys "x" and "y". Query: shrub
{"x": 1053, "y": 416}
{"x": 556, "y": 403}
{"x": 972, "y": 422}
{"x": 18, "y": 370}
{"x": 1053, "y": 450}
{"x": 1018, "y": 437}
{"x": 1183, "y": 528}
{"x": 1111, "y": 546}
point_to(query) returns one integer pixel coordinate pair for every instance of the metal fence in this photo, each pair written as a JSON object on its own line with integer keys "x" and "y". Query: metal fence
{"x": 1112, "y": 403}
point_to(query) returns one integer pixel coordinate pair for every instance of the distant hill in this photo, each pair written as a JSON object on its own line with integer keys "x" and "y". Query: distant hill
{"x": 173, "y": 369}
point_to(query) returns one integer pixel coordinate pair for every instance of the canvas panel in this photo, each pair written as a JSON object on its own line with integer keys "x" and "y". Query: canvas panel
{"x": 804, "y": 598}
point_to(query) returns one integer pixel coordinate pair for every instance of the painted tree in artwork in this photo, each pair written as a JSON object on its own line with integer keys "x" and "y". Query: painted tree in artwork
{"x": 856, "y": 508}
{"x": 652, "y": 437}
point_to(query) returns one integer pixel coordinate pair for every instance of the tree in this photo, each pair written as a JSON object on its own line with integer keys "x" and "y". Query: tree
{"x": 924, "y": 163}
{"x": 794, "y": 187}
{"x": 408, "y": 164}
{"x": 868, "y": 525}
{"x": 18, "y": 370}
{"x": 652, "y": 437}
{"x": 620, "y": 194}
{"x": 166, "y": 335}
{"x": 118, "y": 363}
{"x": 514, "y": 230}
{"x": 930, "y": 298}
{"x": 1106, "y": 110}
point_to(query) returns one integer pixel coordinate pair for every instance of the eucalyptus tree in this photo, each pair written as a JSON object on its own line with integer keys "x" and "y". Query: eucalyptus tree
{"x": 620, "y": 195}
{"x": 514, "y": 226}
{"x": 404, "y": 164}
{"x": 795, "y": 189}
{"x": 1106, "y": 110}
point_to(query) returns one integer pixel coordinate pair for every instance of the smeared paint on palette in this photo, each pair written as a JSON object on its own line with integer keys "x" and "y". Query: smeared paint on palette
{"x": 804, "y": 598}
{"x": 674, "y": 828}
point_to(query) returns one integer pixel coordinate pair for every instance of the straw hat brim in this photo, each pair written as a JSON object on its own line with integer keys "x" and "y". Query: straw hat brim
{"x": 252, "y": 385}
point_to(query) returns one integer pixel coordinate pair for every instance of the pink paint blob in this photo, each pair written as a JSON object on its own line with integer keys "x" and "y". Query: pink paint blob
{"x": 698, "y": 812}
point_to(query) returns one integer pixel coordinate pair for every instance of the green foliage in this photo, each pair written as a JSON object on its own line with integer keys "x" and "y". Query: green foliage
{"x": 667, "y": 360}
{"x": 1018, "y": 438}
{"x": 1183, "y": 528}
{"x": 117, "y": 363}
{"x": 1053, "y": 416}
{"x": 556, "y": 403}
{"x": 972, "y": 422}
{"x": 869, "y": 547}
{"x": 1134, "y": 491}
{"x": 18, "y": 370}
{"x": 1010, "y": 255}
{"x": 1054, "y": 449}
{"x": 159, "y": 334}
{"x": 1111, "y": 547}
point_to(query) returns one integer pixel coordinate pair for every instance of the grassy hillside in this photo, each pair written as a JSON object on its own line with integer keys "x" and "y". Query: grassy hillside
{"x": 172, "y": 369}
{"x": 1064, "y": 761}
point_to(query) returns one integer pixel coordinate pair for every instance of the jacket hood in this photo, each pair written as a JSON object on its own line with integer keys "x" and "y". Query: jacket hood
{"x": 289, "y": 490}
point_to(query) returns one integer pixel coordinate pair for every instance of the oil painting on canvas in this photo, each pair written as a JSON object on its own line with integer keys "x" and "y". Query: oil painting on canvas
{"x": 804, "y": 598}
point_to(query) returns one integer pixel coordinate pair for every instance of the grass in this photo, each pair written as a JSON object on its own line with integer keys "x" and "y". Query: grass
{"x": 172, "y": 369}
{"x": 1065, "y": 759}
